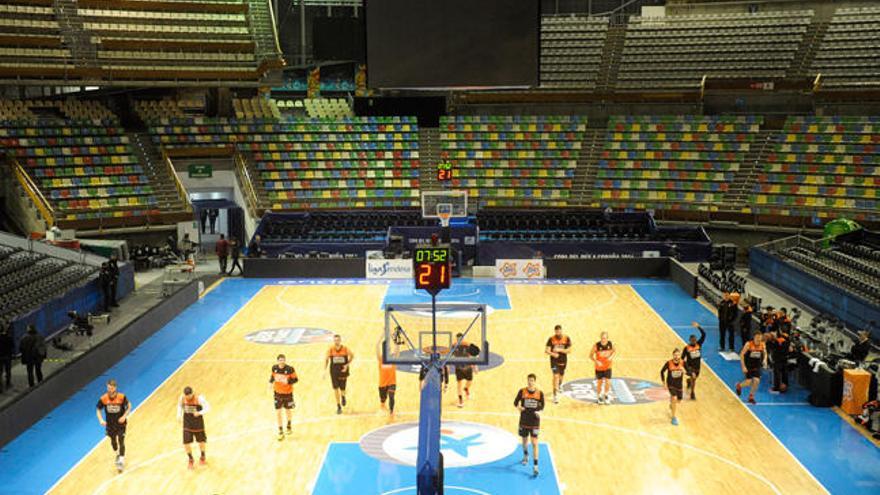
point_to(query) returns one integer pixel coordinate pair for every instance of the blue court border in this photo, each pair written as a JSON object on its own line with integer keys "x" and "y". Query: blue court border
{"x": 837, "y": 455}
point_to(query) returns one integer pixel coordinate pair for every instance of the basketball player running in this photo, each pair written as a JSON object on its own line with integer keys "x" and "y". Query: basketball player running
{"x": 753, "y": 357}
{"x": 602, "y": 354}
{"x": 282, "y": 379}
{"x": 191, "y": 410}
{"x": 558, "y": 346}
{"x": 672, "y": 374}
{"x": 387, "y": 381}
{"x": 339, "y": 359}
{"x": 530, "y": 402}
{"x": 464, "y": 373}
{"x": 116, "y": 407}
{"x": 692, "y": 356}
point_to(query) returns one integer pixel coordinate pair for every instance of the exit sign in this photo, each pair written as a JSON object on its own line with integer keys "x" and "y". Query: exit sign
{"x": 203, "y": 171}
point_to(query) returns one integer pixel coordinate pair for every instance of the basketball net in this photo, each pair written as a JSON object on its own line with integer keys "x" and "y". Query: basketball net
{"x": 444, "y": 213}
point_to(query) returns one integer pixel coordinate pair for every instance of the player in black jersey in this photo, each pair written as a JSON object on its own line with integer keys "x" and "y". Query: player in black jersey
{"x": 116, "y": 407}
{"x": 530, "y": 402}
{"x": 692, "y": 356}
{"x": 464, "y": 373}
{"x": 444, "y": 377}
{"x": 191, "y": 409}
{"x": 558, "y": 347}
{"x": 672, "y": 374}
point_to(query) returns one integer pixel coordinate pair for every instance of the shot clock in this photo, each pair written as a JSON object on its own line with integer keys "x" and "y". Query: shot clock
{"x": 445, "y": 171}
{"x": 432, "y": 268}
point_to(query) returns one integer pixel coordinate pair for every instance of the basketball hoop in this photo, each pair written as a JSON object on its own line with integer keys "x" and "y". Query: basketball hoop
{"x": 444, "y": 213}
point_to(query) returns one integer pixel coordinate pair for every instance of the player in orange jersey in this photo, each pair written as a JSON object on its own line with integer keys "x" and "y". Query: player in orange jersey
{"x": 753, "y": 357}
{"x": 116, "y": 407}
{"x": 692, "y": 355}
{"x": 558, "y": 347}
{"x": 191, "y": 410}
{"x": 602, "y": 354}
{"x": 530, "y": 402}
{"x": 339, "y": 359}
{"x": 282, "y": 379}
{"x": 387, "y": 381}
{"x": 672, "y": 374}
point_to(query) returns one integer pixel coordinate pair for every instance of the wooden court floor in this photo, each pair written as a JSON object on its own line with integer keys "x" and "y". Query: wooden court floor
{"x": 719, "y": 448}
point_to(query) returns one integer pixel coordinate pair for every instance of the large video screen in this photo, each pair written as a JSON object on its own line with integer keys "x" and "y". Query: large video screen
{"x": 452, "y": 43}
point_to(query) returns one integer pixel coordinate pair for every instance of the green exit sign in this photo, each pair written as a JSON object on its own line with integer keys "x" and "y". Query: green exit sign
{"x": 203, "y": 171}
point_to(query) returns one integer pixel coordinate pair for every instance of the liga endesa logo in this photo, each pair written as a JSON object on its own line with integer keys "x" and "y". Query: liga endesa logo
{"x": 462, "y": 443}
{"x": 387, "y": 268}
{"x": 625, "y": 391}
{"x": 290, "y": 336}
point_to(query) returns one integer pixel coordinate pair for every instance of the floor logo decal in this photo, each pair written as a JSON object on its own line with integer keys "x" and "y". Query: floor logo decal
{"x": 623, "y": 390}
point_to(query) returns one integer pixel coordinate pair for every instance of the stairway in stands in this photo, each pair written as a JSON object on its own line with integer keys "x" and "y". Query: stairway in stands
{"x": 740, "y": 190}
{"x": 164, "y": 187}
{"x": 611, "y": 55}
{"x": 75, "y": 37}
{"x": 429, "y": 156}
{"x": 803, "y": 58}
{"x": 588, "y": 164}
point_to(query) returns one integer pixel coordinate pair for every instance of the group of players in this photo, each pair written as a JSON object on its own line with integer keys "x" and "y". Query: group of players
{"x": 114, "y": 407}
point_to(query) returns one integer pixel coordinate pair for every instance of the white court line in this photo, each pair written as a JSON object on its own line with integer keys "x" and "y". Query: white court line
{"x": 134, "y": 409}
{"x": 782, "y": 404}
{"x": 643, "y": 434}
{"x": 361, "y": 363}
{"x": 740, "y": 402}
{"x": 559, "y": 484}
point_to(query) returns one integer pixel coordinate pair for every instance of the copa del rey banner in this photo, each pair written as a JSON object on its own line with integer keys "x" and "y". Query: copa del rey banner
{"x": 519, "y": 268}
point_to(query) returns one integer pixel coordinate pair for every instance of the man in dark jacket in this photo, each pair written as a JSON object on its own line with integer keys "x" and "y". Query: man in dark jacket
{"x": 235, "y": 251}
{"x": 727, "y": 312}
{"x": 222, "y": 250}
{"x": 746, "y": 322}
{"x": 213, "y": 213}
{"x": 7, "y": 349}
{"x": 113, "y": 265}
{"x": 105, "y": 281}
{"x": 203, "y": 218}
{"x": 862, "y": 348}
{"x": 255, "y": 249}
{"x": 33, "y": 351}
{"x": 779, "y": 346}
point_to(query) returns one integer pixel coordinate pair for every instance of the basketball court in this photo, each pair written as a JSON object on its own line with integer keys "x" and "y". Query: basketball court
{"x": 225, "y": 345}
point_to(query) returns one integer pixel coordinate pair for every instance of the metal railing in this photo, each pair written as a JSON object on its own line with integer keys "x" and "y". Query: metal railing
{"x": 181, "y": 190}
{"x": 33, "y": 191}
{"x": 247, "y": 185}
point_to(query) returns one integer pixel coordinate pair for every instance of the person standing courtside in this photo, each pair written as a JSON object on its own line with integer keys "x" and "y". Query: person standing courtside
{"x": 530, "y": 402}
{"x": 745, "y": 322}
{"x": 726, "y": 317}
{"x": 33, "y": 351}
{"x": 213, "y": 213}
{"x": 235, "y": 252}
{"x": 7, "y": 350}
{"x": 255, "y": 248}
{"x": 115, "y": 407}
{"x": 558, "y": 346}
{"x": 222, "y": 250}
{"x": 339, "y": 360}
{"x": 191, "y": 411}
{"x": 602, "y": 354}
{"x": 282, "y": 379}
{"x": 113, "y": 266}
{"x": 105, "y": 280}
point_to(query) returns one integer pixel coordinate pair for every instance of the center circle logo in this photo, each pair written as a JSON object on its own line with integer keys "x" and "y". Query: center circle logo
{"x": 495, "y": 360}
{"x": 290, "y": 336}
{"x": 462, "y": 443}
{"x": 625, "y": 391}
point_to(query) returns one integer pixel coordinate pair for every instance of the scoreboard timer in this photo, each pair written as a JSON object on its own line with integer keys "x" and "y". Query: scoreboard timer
{"x": 445, "y": 171}
{"x": 432, "y": 268}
